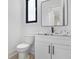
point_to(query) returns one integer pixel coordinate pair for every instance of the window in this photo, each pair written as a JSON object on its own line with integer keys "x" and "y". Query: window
{"x": 31, "y": 11}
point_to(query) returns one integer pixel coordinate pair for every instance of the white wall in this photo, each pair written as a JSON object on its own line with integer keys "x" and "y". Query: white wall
{"x": 14, "y": 23}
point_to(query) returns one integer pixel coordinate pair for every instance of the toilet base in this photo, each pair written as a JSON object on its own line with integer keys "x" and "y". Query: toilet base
{"x": 23, "y": 56}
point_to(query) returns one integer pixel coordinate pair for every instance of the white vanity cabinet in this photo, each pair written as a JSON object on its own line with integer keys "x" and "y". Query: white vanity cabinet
{"x": 51, "y": 47}
{"x": 61, "y": 48}
{"x": 42, "y": 48}
{"x": 42, "y": 51}
{"x": 61, "y": 52}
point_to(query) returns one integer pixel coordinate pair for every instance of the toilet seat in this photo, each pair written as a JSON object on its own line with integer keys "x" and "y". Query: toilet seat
{"x": 23, "y": 45}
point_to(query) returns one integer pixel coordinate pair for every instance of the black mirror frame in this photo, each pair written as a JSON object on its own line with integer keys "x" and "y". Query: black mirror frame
{"x": 27, "y": 12}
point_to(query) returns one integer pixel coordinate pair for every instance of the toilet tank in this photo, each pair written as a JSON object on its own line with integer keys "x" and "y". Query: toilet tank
{"x": 29, "y": 39}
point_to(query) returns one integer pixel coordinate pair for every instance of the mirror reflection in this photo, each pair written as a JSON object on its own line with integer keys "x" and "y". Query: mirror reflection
{"x": 54, "y": 13}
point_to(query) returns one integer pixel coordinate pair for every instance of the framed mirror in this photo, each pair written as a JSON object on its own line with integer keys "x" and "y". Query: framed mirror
{"x": 54, "y": 13}
{"x": 31, "y": 11}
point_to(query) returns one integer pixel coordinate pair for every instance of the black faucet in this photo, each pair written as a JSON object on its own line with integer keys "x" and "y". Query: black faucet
{"x": 52, "y": 29}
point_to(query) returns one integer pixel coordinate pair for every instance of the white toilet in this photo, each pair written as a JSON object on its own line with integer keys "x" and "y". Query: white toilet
{"x": 24, "y": 48}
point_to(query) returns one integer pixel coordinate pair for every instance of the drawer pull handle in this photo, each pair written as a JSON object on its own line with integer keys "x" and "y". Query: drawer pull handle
{"x": 53, "y": 50}
{"x": 49, "y": 49}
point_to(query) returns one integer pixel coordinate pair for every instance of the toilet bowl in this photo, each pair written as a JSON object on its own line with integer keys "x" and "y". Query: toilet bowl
{"x": 23, "y": 50}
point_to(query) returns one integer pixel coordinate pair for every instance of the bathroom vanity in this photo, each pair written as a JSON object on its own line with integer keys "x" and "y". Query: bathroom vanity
{"x": 54, "y": 13}
{"x": 52, "y": 47}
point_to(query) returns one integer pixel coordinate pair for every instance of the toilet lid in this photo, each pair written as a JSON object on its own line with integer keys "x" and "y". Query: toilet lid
{"x": 23, "y": 45}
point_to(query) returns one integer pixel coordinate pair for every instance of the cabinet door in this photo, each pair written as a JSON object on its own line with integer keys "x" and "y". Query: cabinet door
{"x": 42, "y": 50}
{"x": 61, "y": 52}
